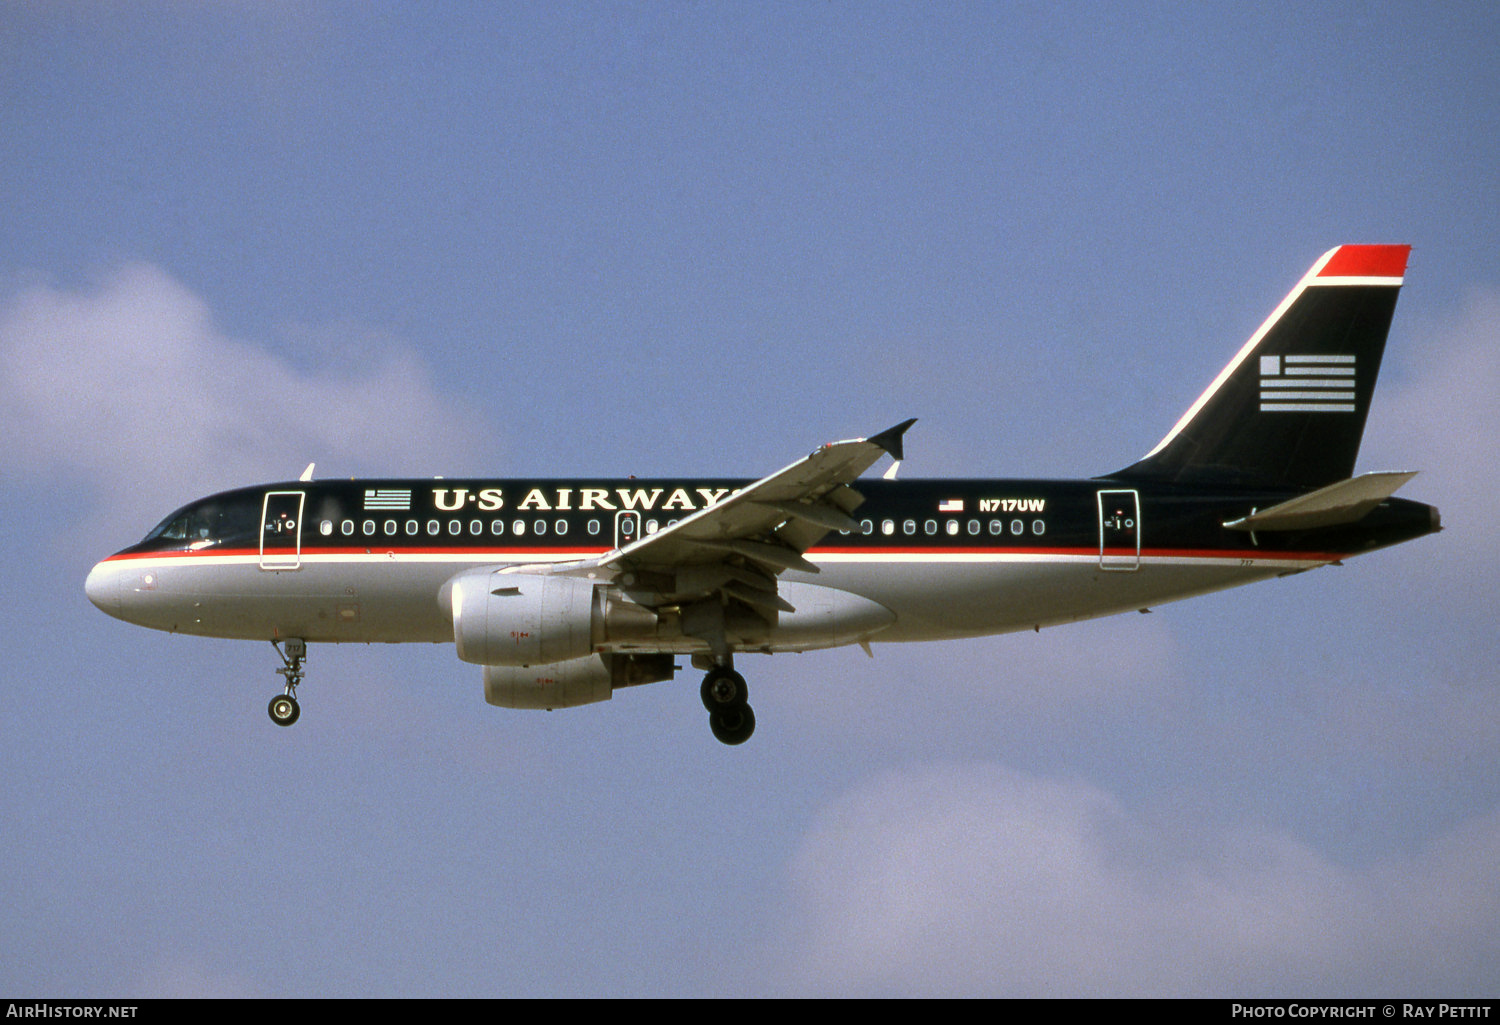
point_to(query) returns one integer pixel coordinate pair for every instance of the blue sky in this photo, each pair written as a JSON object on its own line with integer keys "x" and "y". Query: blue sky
{"x": 692, "y": 239}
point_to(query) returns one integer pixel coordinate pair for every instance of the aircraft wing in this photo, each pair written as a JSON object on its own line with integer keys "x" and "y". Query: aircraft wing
{"x": 775, "y": 520}
{"x": 736, "y": 548}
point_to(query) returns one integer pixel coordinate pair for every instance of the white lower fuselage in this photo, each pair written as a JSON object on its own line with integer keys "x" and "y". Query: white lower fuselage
{"x": 389, "y": 597}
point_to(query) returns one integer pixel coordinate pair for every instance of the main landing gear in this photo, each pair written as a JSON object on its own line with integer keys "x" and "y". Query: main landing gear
{"x": 284, "y": 709}
{"x": 727, "y": 700}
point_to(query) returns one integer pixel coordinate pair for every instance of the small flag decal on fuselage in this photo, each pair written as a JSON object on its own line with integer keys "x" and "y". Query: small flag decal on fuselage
{"x": 1307, "y": 384}
{"x": 951, "y": 505}
{"x": 388, "y": 499}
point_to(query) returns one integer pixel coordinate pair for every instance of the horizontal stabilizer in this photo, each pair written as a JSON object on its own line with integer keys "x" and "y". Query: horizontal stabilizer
{"x": 1344, "y": 502}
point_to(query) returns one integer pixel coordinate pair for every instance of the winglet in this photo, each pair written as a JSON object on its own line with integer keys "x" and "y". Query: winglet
{"x": 890, "y": 440}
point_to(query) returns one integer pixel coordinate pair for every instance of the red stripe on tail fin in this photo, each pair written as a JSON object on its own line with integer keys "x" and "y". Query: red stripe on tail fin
{"x": 1366, "y": 262}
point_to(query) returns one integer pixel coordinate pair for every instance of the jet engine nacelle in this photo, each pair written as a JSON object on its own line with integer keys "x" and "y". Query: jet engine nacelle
{"x": 533, "y": 619}
{"x": 514, "y": 619}
{"x": 524, "y": 619}
{"x": 578, "y": 681}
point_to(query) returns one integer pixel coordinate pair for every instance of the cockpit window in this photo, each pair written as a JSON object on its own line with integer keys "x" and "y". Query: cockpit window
{"x": 216, "y": 521}
{"x": 173, "y": 528}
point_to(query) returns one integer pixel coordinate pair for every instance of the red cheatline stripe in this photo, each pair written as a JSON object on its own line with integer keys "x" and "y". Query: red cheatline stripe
{"x": 219, "y": 553}
{"x": 1146, "y": 553}
{"x": 501, "y": 553}
{"x": 1367, "y": 262}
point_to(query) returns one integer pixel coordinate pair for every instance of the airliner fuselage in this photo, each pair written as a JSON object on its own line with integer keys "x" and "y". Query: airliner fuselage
{"x": 565, "y": 590}
{"x": 365, "y": 561}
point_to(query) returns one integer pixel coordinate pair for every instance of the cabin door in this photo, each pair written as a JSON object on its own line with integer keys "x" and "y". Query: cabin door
{"x": 1119, "y": 530}
{"x": 281, "y": 530}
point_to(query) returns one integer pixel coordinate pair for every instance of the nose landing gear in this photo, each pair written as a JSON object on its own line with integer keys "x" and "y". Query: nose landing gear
{"x": 727, "y": 699}
{"x": 283, "y": 708}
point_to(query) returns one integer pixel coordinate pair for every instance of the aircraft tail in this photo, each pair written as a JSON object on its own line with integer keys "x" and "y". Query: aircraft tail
{"x": 1290, "y": 408}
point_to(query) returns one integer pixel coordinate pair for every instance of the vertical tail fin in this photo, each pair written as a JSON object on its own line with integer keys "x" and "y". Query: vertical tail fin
{"x": 1290, "y": 408}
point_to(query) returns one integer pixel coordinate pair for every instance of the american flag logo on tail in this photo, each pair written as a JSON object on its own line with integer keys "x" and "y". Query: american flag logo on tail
{"x": 1307, "y": 384}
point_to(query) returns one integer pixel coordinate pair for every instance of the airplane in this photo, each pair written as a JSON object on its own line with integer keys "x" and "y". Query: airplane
{"x": 565, "y": 591}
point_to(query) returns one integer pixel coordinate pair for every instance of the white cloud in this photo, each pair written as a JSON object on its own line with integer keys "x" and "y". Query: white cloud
{"x": 131, "y": 386}
{"x": 978, "y": 880}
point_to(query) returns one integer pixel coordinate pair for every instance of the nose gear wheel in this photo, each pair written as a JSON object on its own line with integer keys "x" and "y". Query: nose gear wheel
{"x": 283, "y": 708}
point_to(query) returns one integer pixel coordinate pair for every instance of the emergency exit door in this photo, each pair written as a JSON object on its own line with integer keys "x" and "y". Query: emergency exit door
{"x": 627, "y": 528}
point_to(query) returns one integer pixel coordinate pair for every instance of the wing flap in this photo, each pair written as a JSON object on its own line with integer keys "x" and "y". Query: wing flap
{"x": 819, "y": 514}
{"x": 778, "y": 556}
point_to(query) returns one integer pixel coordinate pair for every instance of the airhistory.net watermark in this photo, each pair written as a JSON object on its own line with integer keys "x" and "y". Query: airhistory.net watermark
{"x": 51, "y": 1009}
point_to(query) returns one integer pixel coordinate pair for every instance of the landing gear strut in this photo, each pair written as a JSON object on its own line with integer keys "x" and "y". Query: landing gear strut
{"x": 284, "y": 709}
{"x": 727, "y": 699}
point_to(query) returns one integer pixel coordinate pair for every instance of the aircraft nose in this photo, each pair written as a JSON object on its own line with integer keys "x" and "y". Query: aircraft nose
{"x": 103, "y": 588}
